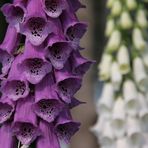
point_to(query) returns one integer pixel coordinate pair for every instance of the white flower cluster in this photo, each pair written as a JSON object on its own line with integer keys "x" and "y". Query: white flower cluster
{"x": 123, "y": 104}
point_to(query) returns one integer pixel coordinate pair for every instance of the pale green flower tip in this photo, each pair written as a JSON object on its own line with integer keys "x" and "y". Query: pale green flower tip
{"x": 124, "y": 69}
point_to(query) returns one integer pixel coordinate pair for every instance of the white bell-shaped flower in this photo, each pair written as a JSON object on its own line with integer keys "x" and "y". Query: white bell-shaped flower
{"x": 116, "y": 8}
{"x": 141, "y": 18}
{"x": 114, "y": 41}
{"x": 122, "y": 143}
{"x": 109, "y": 27}
{"x": 116, "y": 76}
{"x": 104, "y": 67}
{"x": 138, "y": 39}
{"x": 118, "y": 118}
{"x": 134, "y": 132}
{"x": 131, "y": 4}
{"x": 98, "y": 127}
{"x": 143, "y": 113}
{"x": 130, "y": 95}
{"x": 140, "y": 74}
{"x": 123, "y": 59}
{"x": 126, "y": 20}
{"x": 107, "y": 138}
{"x": 106, "y": 101}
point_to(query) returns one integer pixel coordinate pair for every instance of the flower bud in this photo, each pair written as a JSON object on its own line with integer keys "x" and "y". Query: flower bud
{"x": 109, "y": 27}
{"x": 141, "y": 18}
{"x": 131, "y": 4}
{"x": 116, "y": 76}
{"x": 116, "y": 8}
{"x": 138, "y": 39}
{"x": 126, "y": 20}
{"x": 104, "y": 67}
{"x": 123, "y": 60}
{"x": 114, "y": 41}
{"x": 140, "y": 74}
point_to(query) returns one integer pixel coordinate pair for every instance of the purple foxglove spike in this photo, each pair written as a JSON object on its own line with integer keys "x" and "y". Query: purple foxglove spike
{"x": 75, "y": 102}
{"x": 65, "y": 127}
{"x": 36, "y": 26}
{"x": 33, "y": 64}
{"x": 7, "y": 139}
{"x": 80, "y": 64}
{"x": 15, "y": 86}
{"x": 54, "y": 8}
{"x": 47, "y": 104}
{"x": 58, "y": 51}
{"x": 6, "y": 109}
{"x": 49, "y": 138}
{"x": 15, "y": 14}
{"x": 75, "y": 5}
{"x": 7, "y": 48}
{"x": 25, "y": 122}
{"x": 73, "y": 29}
{"x": 66, "y": 84}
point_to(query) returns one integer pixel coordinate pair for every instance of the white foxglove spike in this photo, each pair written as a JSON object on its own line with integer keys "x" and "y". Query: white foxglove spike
{"x": 107, "y": 138}
{"x": 118, "y": 118}
{"x": 126, "y": 20}
{"x": 110, "y": 3}
{"x": 104, "y": 67}
{"x": 143, "y": 113}
{"x": 116, "y": 8}
{"x": 114, "y": 41}
{"x": 141, "y": 18}
{"x": 138, "y": 39}
{"x": 130, "y": 95}
{"x": 131, "y": 4}
{"x": 109, "y": 27}
{"x": 140, "y": 74}
{"x": 116, "y": 77}
{"x": 123, "y": 59}
{"x": 134, "y": 132}
{"x": 106, "y": 101}
{"x": 122, "y": 143}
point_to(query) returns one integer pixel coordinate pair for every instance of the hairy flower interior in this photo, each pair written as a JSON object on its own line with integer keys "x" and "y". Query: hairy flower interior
{"x": 5, "y": 111}
{"x": 36, "y": 26}
{"x": 17, "y": 14}
{"x": 35, "y": 66}
{"x": 51, "y": 5}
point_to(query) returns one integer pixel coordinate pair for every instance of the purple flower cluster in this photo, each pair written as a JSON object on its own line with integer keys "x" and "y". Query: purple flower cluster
{"x": 42, "y": 69}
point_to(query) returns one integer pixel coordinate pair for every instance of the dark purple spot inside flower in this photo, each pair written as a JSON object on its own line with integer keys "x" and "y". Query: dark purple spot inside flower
{"x": 48, "y": 109}
{"x": 35, "y": 66}
{"x": 18, "y": 14}
{"x": 71, "y": 33}
{"x": 56, "y": 52}
{"x": 20, "y": 88}
{"x": 5, "y": 112}
{"x": 51, "y": 5}
{"x": 67, "y": 130}
{"x": 36, "y": 26}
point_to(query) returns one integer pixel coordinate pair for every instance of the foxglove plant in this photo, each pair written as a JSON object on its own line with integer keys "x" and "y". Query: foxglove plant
{"x": 123, "y": 106}
{"x": 41, "y": 70}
